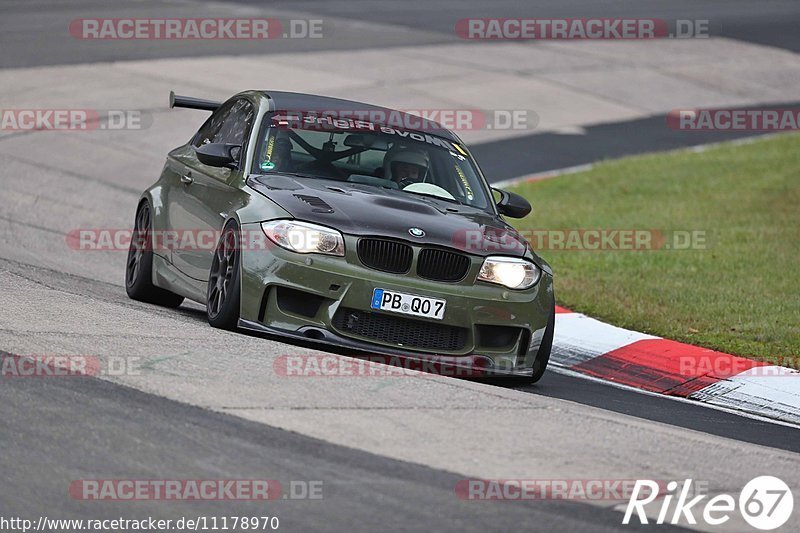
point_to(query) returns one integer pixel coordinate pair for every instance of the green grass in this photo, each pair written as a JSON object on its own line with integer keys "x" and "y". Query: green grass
{"x": 741, "y": 294}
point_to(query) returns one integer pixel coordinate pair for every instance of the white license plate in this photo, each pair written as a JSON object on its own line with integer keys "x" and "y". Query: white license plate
{"x": 408, "y": 304}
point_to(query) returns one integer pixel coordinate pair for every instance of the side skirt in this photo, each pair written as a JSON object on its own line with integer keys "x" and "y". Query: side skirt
{"x": 167, "y": 276}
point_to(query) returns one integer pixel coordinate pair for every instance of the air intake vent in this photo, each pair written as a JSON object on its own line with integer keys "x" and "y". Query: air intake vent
{"x": 441, "y": 265}
{"x": 400, "y": 331}
{"x": 388, "y": 256}
{"x": 317, "y": 203}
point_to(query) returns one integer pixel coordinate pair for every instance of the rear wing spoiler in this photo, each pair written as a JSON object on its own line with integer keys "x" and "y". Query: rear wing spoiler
{"x": 192, "y": 103}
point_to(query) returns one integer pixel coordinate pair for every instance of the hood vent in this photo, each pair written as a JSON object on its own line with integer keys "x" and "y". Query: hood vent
{"x": 319, "y": 205}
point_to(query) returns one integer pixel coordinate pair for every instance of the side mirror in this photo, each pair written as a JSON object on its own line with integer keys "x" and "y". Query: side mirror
{"x": 219, "y": 155}
{"x": 512, "y": 204}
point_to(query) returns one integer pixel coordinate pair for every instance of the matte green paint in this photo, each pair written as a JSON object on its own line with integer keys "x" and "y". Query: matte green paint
{"x": 219, "y": 195}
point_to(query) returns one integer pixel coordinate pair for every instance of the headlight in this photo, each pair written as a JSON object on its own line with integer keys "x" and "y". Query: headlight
{"x": 304, "y": 237}
{"x": 512, "y": 272}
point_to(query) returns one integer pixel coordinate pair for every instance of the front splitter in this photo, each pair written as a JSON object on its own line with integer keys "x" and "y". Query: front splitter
{"x": 464, "y": 366}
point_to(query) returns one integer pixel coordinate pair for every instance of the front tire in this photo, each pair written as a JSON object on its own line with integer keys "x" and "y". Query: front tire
{"x": 139, "y": 267}
{"x": 546, "y": 346}
{"x": 542, "y": 356}
{"x": 224, "y": 289}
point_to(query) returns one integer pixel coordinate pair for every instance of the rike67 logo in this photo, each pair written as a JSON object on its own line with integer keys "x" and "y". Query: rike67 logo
{"x": 765, "y": 503}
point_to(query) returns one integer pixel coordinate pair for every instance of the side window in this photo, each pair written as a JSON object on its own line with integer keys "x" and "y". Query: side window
{"x": 229, "y": 124}
{"x": 236, "y": 124}
{"x": 211, "y": 128}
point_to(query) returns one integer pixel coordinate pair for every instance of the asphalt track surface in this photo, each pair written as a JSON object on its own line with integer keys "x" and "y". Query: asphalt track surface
{"x": 33, "y": 36}
{"x": 506, "y": 159}
{"x": 55, "y": 431}
{"x": 362, "y": 492}
{"x": 39, "y": 40}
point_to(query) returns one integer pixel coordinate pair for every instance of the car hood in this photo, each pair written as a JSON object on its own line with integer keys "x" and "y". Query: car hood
{"x": 363, "y": 210}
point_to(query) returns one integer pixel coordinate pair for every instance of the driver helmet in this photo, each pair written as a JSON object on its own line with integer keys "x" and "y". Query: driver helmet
{"x": 406, "y": 164}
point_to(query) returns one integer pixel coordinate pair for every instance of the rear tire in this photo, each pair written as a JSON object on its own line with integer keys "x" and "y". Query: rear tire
{"x": 139, "y": 267}
{"x": 224, "y": 289}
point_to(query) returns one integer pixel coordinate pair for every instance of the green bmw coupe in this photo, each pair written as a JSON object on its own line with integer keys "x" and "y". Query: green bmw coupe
{"x": 345, "y": 224}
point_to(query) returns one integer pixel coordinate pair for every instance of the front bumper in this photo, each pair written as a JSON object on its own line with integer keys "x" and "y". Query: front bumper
{"x": 304, "y": 296}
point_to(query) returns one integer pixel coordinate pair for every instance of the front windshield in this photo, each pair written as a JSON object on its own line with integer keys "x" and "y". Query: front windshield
{"x": 362, "y": 152}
